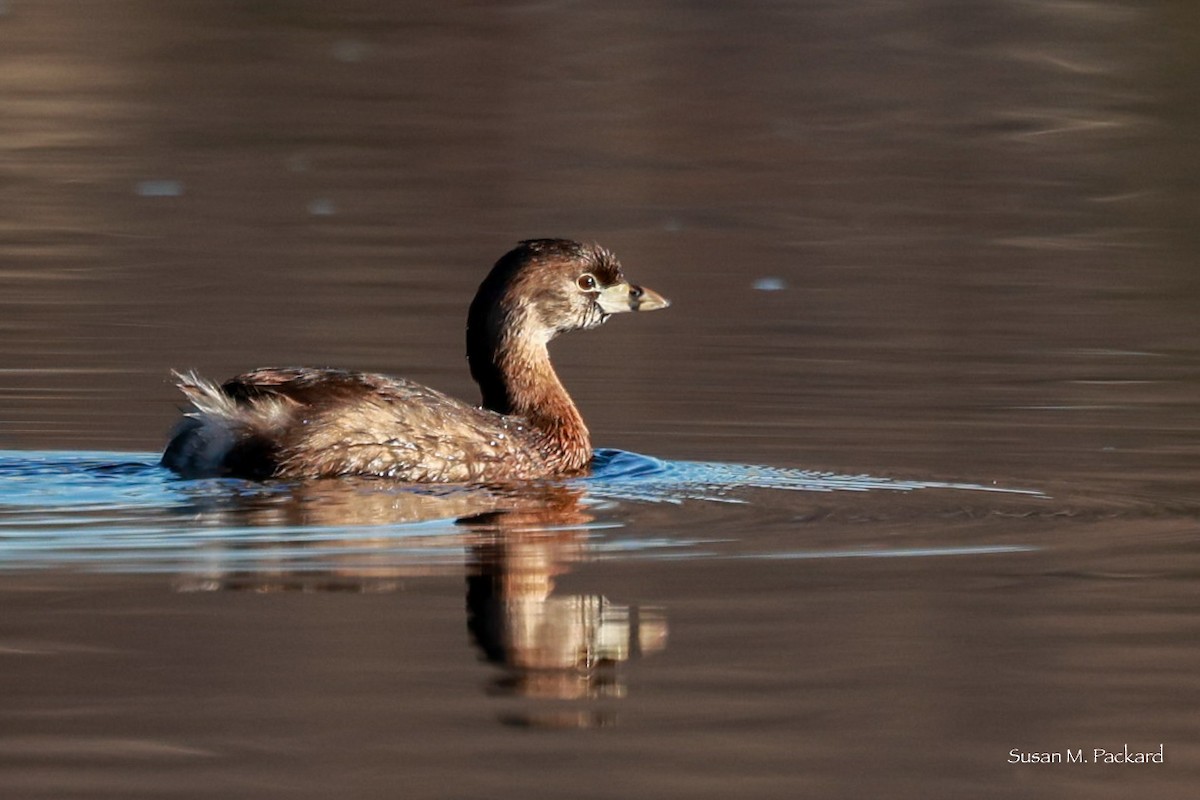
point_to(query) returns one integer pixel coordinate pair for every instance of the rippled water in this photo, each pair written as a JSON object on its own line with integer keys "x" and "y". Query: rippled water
{"x": 123, "y": 512}
{"x": 904, "y": 480}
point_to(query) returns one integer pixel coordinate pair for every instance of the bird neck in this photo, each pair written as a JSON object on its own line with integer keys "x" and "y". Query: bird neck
{"x": 510, "y": 361}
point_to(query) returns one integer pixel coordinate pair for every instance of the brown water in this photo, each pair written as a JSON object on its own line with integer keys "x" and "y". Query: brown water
{"x": 909, "y": 244}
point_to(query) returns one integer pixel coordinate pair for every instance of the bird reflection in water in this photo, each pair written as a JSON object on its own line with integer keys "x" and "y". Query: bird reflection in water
{"x": 516, "y": 543}
{"x": 552, "y": 647}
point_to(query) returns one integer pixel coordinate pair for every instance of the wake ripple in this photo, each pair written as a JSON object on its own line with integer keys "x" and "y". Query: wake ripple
{"x": 621, "y": 475}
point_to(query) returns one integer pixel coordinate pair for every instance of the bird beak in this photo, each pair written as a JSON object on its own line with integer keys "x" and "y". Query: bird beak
{"x": 623, "y": 296}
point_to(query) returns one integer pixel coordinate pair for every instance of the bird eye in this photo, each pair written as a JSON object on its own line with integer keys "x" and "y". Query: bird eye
{"x": 586, "y": 282}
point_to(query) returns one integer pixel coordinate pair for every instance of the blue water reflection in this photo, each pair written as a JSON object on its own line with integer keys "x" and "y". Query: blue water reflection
{"x": 114, "y": 511}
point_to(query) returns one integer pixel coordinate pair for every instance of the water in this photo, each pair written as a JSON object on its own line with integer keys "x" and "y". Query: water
{"x": 123, "y": 512}
{"x": 902, "y": 481}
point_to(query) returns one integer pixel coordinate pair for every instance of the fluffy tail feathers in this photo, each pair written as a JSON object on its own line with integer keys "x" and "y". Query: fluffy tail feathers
{"x": 221, "y": 435}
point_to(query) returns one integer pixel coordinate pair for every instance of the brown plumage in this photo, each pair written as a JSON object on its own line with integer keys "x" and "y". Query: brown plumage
{"x": 309, "y": 423}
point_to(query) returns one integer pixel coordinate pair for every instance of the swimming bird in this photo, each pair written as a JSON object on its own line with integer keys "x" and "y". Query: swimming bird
{"x": 300, "y": 423}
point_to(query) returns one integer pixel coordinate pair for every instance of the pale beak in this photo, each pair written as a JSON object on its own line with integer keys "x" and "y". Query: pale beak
{"x": 622, "y": 297}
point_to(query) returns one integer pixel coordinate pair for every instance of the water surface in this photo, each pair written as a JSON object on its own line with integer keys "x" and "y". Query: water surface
{"x": 904, "y": 480}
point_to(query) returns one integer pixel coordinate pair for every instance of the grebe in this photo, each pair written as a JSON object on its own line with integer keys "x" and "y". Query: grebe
{"x": 296, "y": 423}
